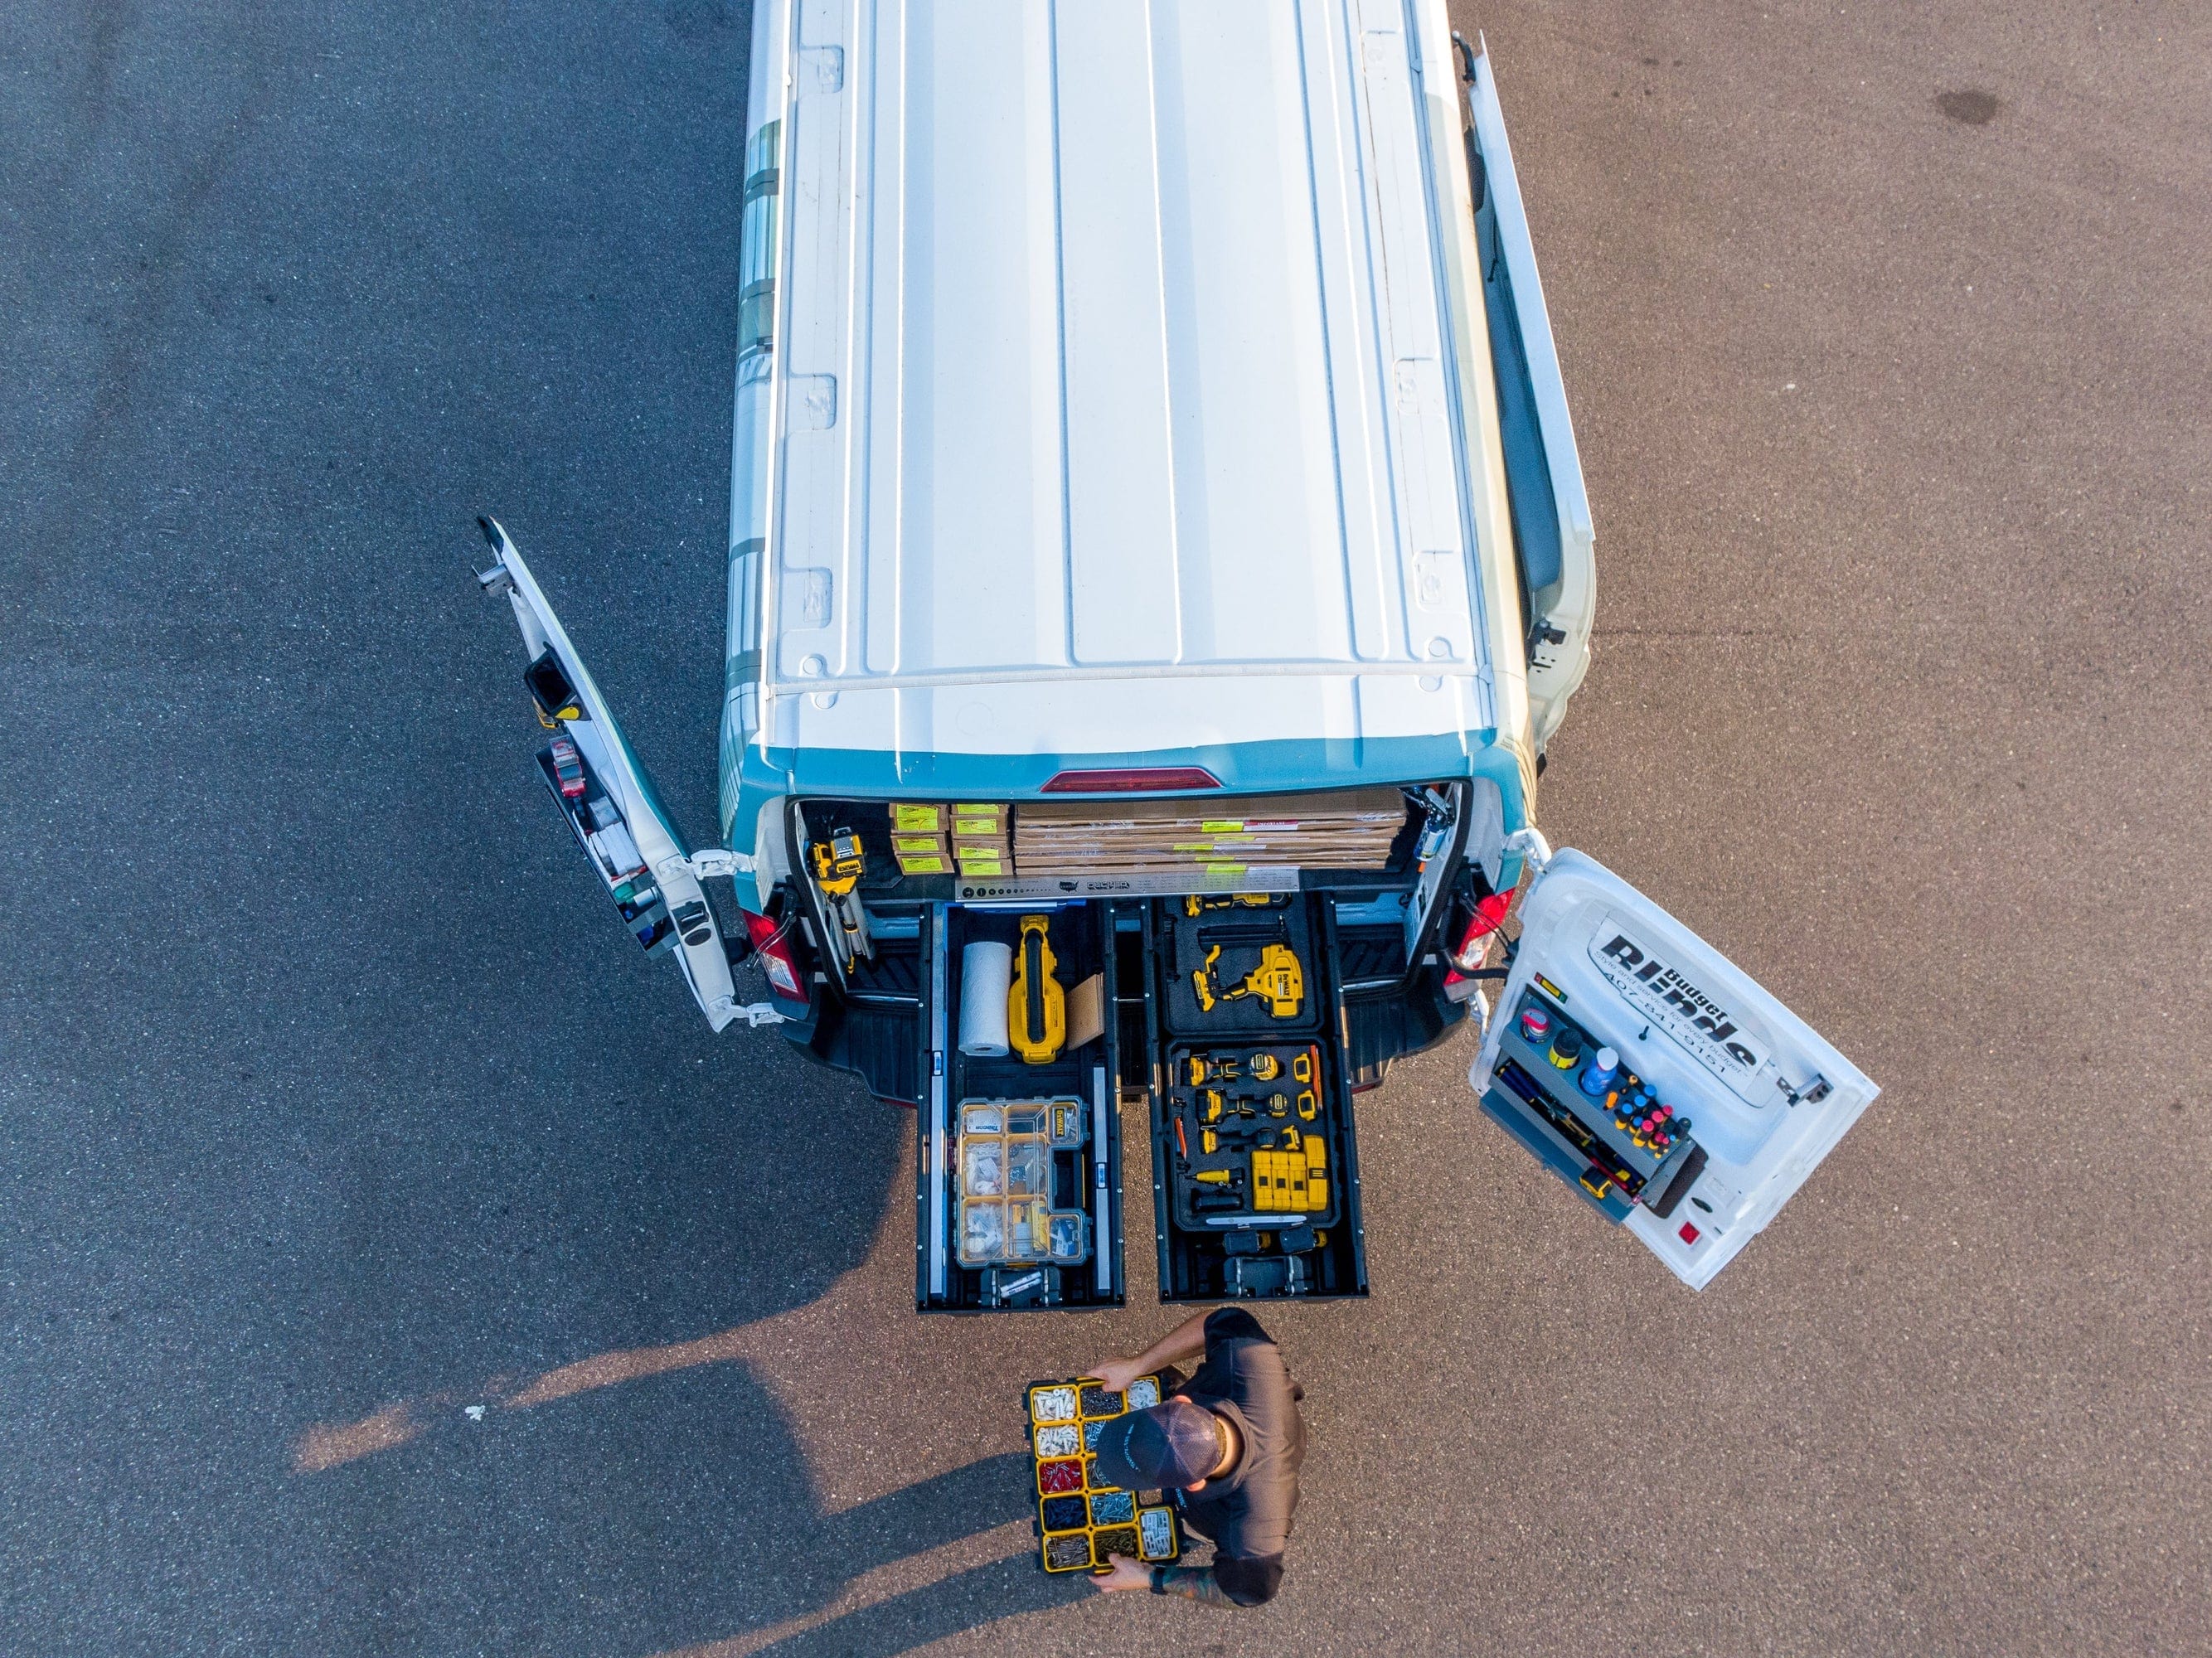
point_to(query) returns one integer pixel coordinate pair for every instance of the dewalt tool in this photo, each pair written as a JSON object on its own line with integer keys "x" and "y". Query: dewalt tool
{"x": 838, "y": 866}
{"x": 1264, "y": 1067}
{"x": 1195, "y": 905}
{"x": 1207, "y": 1068}
{"x": 1036, "y": 1007}
{"x": 1278, "y": 981}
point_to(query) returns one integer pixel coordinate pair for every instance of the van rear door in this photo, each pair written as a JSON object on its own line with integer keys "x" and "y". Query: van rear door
{"x": 1658, "y": 1080}
{"x": 1551, "y": 533}
{"x": 610, "y": 805}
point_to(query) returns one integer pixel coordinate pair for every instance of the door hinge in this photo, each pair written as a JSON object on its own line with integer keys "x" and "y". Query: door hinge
{"x": 709, "y": 862}
{"x": 1533, "y": 848}
{"x": 755, "y": 1014}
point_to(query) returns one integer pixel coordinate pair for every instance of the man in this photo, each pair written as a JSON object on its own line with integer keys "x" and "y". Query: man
{"x": 1225, "y": 1445}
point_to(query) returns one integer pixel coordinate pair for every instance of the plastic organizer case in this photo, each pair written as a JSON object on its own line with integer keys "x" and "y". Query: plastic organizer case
{"x": 1003, "y": 1173}
{"x": 1081, "y": 1523}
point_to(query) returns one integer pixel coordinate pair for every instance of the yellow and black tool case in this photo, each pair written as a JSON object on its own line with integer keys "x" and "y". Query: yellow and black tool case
{"x": 1255, "y": 1163}
{"x": 1082, "y": 1523}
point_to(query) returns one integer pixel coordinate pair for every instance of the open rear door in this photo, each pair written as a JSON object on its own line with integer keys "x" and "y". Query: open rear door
{"x": 610, "y": 804}
{"x": 1718, "y": 1101}
{"x": 1552, "y": 534}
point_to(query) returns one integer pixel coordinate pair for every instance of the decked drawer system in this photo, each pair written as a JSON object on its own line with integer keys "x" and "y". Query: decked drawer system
{"x": 1255, "y": 1166}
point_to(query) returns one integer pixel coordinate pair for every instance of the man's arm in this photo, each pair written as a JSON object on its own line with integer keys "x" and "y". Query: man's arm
{"x": 1186, "y": 1340}
{"x": 1230, "y": 1582}
{"x": 1193, "y": 1584}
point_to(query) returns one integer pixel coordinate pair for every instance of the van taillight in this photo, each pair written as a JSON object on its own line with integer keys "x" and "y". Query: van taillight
{"x": 1489, "y": 916}
{"x": 772, "y": 943}
{"x": 1141, "y": 779}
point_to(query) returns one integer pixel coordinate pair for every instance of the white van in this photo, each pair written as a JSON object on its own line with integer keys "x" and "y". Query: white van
{"x": 1158, "y": 559}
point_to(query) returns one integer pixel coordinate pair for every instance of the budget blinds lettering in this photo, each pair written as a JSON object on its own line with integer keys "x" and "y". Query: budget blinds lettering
{"x": 1699, "y": 1022}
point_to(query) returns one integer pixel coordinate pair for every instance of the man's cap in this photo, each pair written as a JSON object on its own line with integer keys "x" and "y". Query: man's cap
{"x": 1174, "y": 1444}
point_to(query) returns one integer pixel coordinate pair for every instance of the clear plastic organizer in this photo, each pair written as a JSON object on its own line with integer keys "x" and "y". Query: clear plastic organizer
{"x": 1003, "y": 1231}
{"x": 1003, "y": 1173}
{"x": 1063, "y": 1121}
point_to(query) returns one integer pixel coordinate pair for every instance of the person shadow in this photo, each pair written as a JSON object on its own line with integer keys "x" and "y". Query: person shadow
{"x": 677, "y": 1515}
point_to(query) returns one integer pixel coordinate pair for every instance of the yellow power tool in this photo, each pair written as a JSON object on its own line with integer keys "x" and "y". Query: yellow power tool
{"x": 1036, "y": 1007}
{"x": 1278, "y": 981}
{"x": 1194, "y": 905}
{"x": 838, "y": 866}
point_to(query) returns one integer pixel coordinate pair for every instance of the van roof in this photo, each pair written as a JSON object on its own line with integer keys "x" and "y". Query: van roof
{"x": 1121, "y": 403}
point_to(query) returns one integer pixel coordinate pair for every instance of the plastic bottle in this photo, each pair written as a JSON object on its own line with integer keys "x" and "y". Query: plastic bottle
{"x": 1597, "y": 1076}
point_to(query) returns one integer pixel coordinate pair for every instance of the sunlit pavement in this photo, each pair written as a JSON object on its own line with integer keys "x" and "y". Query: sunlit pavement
{"x": 393, "y": 1265}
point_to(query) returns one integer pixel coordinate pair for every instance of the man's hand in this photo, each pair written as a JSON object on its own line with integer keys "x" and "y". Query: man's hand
{"x": 1128, "y": 1574}
{"x": 1116, "y": 1374}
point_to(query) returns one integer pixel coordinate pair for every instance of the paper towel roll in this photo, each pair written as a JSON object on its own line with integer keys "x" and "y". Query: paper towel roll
{"x": 987, "y": 972}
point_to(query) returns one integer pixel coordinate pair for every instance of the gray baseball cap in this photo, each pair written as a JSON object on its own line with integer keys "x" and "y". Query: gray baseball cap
{"x": 1174, "y": 1444}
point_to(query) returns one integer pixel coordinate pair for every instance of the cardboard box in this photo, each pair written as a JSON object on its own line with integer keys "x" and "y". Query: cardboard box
{"x": 993, "y": 862}
{"x": 908, "y": 817}
{"x": 938, "y": 862}
{"x": 918, "y": 845}
{"x": 973, "y": 818}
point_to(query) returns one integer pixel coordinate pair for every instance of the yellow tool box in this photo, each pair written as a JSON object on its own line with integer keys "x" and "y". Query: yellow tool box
{"x": 1082, "y": 1524}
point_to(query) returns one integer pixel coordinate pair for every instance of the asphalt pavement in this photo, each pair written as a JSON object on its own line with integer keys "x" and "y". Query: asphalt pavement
{"x": 390, "y": 1264}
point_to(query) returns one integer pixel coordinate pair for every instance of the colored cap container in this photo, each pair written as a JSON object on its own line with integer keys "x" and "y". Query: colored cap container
{"x": 1597, "y": 1076}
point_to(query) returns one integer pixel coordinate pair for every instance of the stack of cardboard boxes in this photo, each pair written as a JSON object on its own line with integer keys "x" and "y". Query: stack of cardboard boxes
{"x": 936, "y": 839}
{"x": 918, "y": 840}
{"x": 981, "y": 844}
{"x": 1352, "y": 828}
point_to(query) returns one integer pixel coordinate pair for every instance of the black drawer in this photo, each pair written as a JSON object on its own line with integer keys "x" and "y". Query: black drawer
{"x": 1223, "y": 1240}
{"x": 1084, "y": 1178}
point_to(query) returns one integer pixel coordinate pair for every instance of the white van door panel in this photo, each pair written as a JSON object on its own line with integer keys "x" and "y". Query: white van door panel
{"x": 1543, "y": 468}
{"x": 632, "y": 842}
{"x": 1753, "y": 1097}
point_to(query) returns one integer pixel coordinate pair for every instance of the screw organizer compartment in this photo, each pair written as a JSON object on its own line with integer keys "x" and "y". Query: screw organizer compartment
{"x": 1003, "y": 1168}
{"x": 1082, "y": 1523}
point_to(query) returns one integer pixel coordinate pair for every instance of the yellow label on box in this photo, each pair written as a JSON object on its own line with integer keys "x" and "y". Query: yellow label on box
{"x": 1222, "y": 826}
{"x": 935, "y": 863}
{"x": 910, "y": 819}
{"x": 917, "y": 845}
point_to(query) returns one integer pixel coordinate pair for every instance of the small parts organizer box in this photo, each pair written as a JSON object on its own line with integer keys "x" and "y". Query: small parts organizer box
{"x": 1081, "y": 1523}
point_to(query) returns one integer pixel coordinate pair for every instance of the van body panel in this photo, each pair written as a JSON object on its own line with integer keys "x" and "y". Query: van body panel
{"x": 1120, "y": 394}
